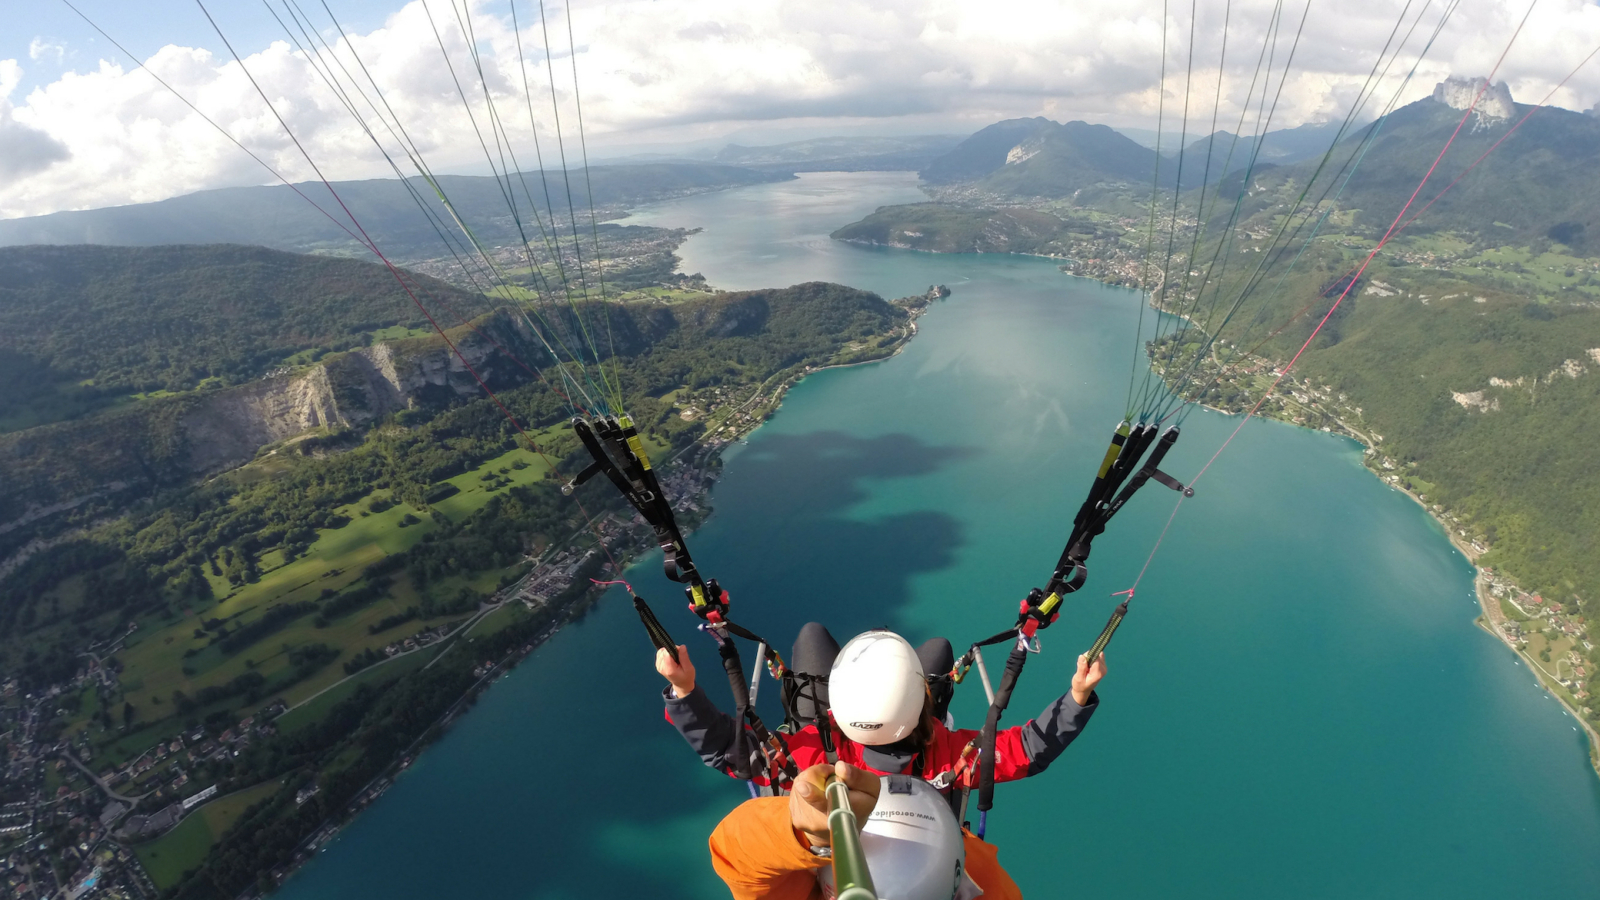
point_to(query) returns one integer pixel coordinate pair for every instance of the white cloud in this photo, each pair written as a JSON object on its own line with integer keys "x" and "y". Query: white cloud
{"x": 24, "y": 150}
{"x": 658, "y": 71}
{"x": 39, "y": 48}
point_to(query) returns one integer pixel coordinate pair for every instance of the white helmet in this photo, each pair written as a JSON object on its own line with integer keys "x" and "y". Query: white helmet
{"x": 913, "y": 845}
{"x": 877, "y": 688}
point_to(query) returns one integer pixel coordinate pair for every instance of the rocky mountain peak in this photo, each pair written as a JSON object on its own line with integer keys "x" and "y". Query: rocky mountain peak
{"x": 1457, "y": 92}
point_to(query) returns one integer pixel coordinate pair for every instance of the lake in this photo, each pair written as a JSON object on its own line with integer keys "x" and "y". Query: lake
{"x": 1298, "y": 705}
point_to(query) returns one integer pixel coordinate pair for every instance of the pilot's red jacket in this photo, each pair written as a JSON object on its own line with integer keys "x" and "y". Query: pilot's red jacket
{"x": 1020, "y": 751}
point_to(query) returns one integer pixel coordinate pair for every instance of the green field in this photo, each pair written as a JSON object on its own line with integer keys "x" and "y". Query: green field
{"x": 183, "y": 848}
{"x": 155, "y": 656}
{"x": 380, "y": 674}
{"x": 499, "y": 619}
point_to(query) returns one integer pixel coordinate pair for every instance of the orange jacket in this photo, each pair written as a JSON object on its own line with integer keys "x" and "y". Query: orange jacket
{"x": 756, "y": 851}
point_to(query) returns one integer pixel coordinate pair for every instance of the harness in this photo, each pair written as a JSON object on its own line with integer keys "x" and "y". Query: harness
{"x": 618, "y": 452}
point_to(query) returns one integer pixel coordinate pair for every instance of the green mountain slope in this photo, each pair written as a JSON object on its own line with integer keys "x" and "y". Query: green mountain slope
{"x": 119, "y": 527}
{"x": 1539, "y": 183}
{"x": 276, "y": 216}
{"x": 1040, "y": 158}
{"x": 81, "y": 326}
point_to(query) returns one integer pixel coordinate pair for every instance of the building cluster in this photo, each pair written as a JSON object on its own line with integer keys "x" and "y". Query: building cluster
{"x": 1554, "y": 621}
{"x": 426, "y": 637}
{"x": 65, "y": 821}
{"x": 550, "y": 577}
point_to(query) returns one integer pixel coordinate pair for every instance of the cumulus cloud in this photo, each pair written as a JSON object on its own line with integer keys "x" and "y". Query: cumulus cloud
{"x": 659, "y": 71}
{"x": 24, "y": 150}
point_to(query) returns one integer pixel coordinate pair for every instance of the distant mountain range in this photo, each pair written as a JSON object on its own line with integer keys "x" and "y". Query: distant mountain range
{"x": 275, "y": 216}
{"x": 843, "y": 154}
{"x": 1539, "y": 183}
{"x": 1284, "y": 145}
{"x": 1042, "y": 158}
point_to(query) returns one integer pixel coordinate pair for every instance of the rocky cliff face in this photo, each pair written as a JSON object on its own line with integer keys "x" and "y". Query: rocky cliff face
{"x": 162, "y": 442}
{"x": 1495, "y": 105}
{"x": 349, "y": 390}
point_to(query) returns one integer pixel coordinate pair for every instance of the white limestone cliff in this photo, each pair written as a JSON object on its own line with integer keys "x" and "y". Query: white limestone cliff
{"x": 1495, "y": 105}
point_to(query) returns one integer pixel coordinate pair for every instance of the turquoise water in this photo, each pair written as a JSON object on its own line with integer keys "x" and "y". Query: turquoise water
{"x": 1298, "y": 704}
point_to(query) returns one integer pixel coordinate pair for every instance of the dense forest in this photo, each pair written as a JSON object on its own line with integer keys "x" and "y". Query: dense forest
{"x": 87, "y": 325}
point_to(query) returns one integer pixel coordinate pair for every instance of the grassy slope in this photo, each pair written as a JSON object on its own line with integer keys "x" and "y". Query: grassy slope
{"x": 154, "y": 657}
{"x": 183, "y": 848}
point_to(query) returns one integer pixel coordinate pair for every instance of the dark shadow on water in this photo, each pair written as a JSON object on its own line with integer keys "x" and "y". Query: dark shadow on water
{"x": 804, "y": 556}
{"x": 789, "y": 551}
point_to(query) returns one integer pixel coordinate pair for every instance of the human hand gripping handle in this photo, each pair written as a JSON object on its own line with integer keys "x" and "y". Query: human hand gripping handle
{"x": 808, "y": 803}
{"x": 679, "y": 671}
{"x": 1083, "y": 682}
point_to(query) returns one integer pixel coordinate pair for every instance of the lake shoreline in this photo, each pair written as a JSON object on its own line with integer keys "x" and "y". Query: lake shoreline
{"x": 1492, "y": 619}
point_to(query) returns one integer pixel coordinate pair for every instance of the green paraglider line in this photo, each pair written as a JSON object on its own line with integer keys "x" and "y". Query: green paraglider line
{"x": 503, "y": 145}
{"x": 510, "y": 202}
{"x": 414, "y": 154}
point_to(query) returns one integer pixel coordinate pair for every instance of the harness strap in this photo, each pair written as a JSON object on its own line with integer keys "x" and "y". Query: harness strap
{"x": 991, "y": 725}
{"x": 618, "y": 451}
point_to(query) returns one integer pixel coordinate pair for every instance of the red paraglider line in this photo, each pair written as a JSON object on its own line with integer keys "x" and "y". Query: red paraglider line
{"x": 1393, "y": 227}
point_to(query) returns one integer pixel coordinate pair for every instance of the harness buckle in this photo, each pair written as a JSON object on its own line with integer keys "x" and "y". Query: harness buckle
{"x": 962, "y": 667}
{"x": 709, "y": 602}
{"x": 1038, "y": 610}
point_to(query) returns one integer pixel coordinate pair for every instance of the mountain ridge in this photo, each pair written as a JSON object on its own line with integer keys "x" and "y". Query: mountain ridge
{"x": 278, "y": 217}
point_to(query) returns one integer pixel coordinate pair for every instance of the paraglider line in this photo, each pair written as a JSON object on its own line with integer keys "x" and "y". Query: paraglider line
{"x": 1393, "y": 227}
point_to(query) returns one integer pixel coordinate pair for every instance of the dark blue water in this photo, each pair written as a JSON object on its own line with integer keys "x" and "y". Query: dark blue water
{"x": 1298, "y": 704}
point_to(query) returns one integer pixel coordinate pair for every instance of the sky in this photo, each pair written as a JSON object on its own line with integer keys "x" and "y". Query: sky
{"x": 82, "y": 125}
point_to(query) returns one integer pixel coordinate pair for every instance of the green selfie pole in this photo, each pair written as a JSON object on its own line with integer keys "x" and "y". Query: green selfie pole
{"x": 850, "y": 876}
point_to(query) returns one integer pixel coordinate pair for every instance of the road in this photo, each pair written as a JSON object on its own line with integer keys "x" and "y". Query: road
{"x": 72, "y": 758}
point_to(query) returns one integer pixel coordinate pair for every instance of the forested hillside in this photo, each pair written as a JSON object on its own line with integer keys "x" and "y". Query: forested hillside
{"x": 439, "y": 427}
{"x": 87, "y": 325}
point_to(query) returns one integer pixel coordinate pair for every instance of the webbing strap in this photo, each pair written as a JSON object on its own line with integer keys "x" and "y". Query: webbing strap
{"x": 991, "y": 725}
{"x": 619, "y": 452}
